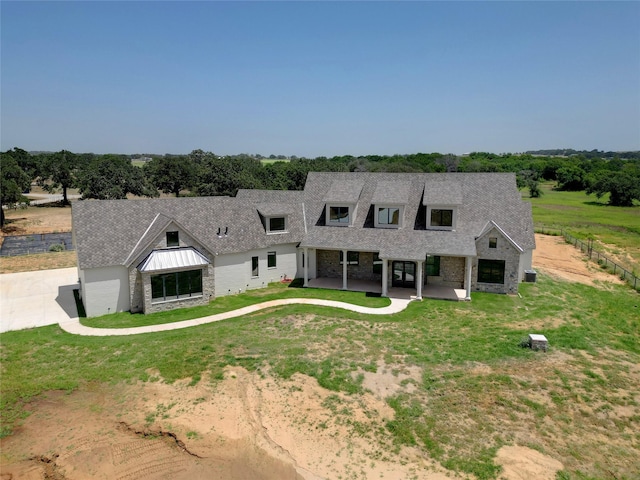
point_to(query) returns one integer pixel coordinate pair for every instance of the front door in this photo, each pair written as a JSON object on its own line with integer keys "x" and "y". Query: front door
{"x": 404, "y": 275}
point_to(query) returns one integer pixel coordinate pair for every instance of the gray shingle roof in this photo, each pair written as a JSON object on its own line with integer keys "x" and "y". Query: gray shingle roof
{"x": 115, "y": 232}
{"x": 391, "y": 193}
{"x": 480, "y": 197}
{"x": 445, "y": 192}
{"x": 344, "y": 191}
{"x": 107, "y": 231}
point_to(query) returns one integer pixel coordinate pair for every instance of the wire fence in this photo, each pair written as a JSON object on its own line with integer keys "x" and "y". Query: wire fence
{"x": 586, "y": 247}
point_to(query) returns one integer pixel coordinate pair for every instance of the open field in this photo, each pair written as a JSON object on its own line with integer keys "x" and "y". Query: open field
{"x": 616, "y": 230}
{"x": 266, "y": 161}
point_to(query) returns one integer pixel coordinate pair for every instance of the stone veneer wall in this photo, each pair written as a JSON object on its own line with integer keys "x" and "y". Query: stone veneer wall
{"x": 205, "y": 298}
{"x": 328, "y": 266}
{"x": 451, "y": 273}
{"x": 504, "y": 251}
{"x": 140, "y": 283}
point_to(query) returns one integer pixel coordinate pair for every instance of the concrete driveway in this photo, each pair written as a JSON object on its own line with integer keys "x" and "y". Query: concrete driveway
{"x": 36, "y": 299}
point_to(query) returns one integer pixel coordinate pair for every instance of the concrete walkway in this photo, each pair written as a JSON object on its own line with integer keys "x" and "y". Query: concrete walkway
{"x": 36, "y": 299}
{"x": 73, "y": 325}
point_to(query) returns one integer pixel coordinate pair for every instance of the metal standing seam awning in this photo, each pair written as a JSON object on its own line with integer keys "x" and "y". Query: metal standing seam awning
{"x": 173, "y": 258}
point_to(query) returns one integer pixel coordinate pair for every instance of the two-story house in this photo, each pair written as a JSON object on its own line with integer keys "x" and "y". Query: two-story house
{"x": 464, "y": 231}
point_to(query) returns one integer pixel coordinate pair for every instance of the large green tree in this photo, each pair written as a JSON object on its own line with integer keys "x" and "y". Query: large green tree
{"x": 14, "y": 182}
{"x": 623, "y": 187}
{"x": 112, "y": 177}
{"x": 571, "y": 178}
{"x": 225, "y": 175}
{"x": 171, "y": 173}
{"x": 58, "y": 171}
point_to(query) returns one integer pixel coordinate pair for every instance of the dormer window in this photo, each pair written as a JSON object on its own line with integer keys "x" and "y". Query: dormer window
{"x": 442, "y": 199}
{"x": 441, "y": 217}
{"x": 275, "y": 216}
{"x": 339, "y": 215}
{"x": 173, "y": 239}
{"x": 388, "y": 217}
{"x": 341, "y": 202}
{"x": 277, "y": 224}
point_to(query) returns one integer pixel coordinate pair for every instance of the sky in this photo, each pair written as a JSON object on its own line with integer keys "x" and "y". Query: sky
{"x": 319, "y": 78}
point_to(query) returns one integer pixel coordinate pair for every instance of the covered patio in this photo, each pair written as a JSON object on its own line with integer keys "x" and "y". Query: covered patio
{"x": 428, "y": 291}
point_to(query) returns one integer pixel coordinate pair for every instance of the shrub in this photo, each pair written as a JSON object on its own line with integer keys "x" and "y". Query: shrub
{"x": 57, "y": 247}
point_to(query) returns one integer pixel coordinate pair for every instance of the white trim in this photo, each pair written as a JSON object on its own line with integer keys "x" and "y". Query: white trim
{"x": 328, "y": 220}
{"x": 454, "y": 217}
{"x": 277, "y": 232}
{"x": 126, "y": 262}
{"x": 380, "y": 206}
{"x": 487, "y": 228}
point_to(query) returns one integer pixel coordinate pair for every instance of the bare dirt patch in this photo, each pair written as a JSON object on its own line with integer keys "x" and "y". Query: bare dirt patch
{"x": 563, "y": 261}
{"x": 523, "y": 463}
{"x": 36, "y": 220}
{"x": 44, "y": 219}
{"x": 248, "y": 425}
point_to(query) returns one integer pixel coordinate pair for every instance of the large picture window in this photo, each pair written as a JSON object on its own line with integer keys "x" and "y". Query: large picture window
{"x": 441, "y": 218}
{"x": 353, "y": 258}
{"x": 171, "y": 286}
{"x": 339, "y": 215}
{"x": 491, "y": 271}
{"x": 388, "y": 216}
{"x": 432, "y": 266}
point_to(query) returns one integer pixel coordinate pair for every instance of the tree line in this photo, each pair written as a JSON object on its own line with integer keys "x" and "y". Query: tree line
{"x": 201, "y": 173}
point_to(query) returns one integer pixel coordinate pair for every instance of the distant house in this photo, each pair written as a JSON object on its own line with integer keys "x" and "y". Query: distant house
{"x": 464, "y": 231}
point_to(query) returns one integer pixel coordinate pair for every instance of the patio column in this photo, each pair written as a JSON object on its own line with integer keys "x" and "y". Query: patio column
{"x": 344, "y": 269}
{"x": 419, "y": 280}
{"x": 305, "y": 265}
{"x": 385, "y": 275}
{"x": 467, "y": 276}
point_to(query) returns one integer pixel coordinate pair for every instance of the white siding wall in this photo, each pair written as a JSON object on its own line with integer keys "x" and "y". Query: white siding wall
{"x": 526, "y": 259}
{"x": 233, "y": 271}
{"x": 105, "y": 290}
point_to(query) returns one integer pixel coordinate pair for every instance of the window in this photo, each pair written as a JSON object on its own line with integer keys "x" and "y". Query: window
{"x": 339, "y": 215}
{"x": 254, "y": 266}
{"x": 173, "y": 240}
{"x": 432, "y": 266}
{"x": 377, "y": 263}
{"x": 388, "y": 216}
{"x": 353, "y": 258}
{"x": 441, "y": 218}
{"x": 277, "y": 224}
{"x": 171, "y": 286}
{"x": 271, "y": 260}
{"x": 491, "y": 271}
{"x": 493, "y": 242}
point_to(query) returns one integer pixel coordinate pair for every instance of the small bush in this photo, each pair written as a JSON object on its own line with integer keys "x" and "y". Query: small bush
{"x": 57, "y": 247}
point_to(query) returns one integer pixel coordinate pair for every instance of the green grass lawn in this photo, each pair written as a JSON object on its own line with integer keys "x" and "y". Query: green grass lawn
{"x": 234, "y": 302}
{"x": 616, "y": 229}
{"x": 457, "y": 415}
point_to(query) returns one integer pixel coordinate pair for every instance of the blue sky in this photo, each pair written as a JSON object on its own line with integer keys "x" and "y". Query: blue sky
{"x": 320, "y": 78}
